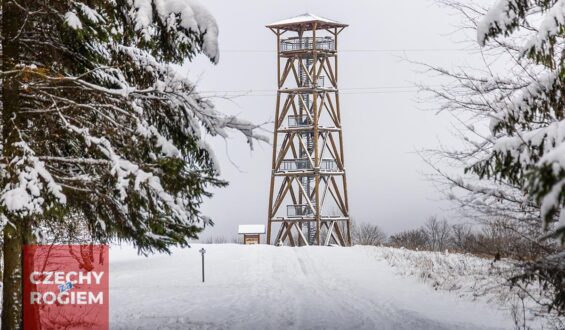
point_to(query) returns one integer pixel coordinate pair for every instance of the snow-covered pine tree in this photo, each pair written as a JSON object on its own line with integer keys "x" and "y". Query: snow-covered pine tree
{"x": 519, "y": 159}
{"x": 529, "y": 126}
{"x": 100, "y": 125}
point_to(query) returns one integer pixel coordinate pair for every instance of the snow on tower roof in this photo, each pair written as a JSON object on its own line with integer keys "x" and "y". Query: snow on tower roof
{"x": 306, "y": 22}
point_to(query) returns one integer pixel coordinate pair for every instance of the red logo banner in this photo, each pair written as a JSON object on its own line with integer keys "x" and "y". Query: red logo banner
{"x": 66, "y": 287}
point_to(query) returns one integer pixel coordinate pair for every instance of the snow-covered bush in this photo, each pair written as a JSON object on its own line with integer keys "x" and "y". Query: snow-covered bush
{"x": 472, "y": 277}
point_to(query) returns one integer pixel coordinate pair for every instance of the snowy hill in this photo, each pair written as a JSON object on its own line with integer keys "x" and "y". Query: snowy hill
{"x": 265, "y": 287}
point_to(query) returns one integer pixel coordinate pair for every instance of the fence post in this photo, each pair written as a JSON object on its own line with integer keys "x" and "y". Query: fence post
{"x": 202, "y": 251}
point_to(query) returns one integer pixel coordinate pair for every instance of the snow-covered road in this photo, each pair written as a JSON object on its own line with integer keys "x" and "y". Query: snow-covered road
{"x": 265, "y": 287}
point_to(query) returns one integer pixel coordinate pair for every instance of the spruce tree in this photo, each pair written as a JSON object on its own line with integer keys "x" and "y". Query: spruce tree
{"x": 509, "y": 116}
{"x": 100, "y": 125}
{"x": 527, "y": 126}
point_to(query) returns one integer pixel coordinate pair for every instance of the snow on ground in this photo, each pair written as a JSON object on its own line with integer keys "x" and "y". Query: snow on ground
{"x": 266, "y": 287}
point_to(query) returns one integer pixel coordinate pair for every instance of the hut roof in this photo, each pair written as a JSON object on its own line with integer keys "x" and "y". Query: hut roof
{"x": 251, "y": 229}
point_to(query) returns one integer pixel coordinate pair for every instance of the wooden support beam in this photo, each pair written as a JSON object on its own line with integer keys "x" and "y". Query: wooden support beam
{"x": 293, "y": 195}
{"x": 290, "y": 238}
{"x": 289, "y": 99}
{"x": 301, "y": 235}
{"x": 332, "y": 115}
{"x": 325, "y": 143}
{"x": 335, "y": 153}
{"x": 296, "y": 75}
{"x": 329, "y": 71}
{"x": 280, "y": 232}
{"x": 286, "y": 71}
{"x": 335, "y": 117}
{"x": 329, "y": 233}
{"x": 316, "y": 135}
{"x": 320, "y": 68}
{"x": 336, "y": 198}
{"x": 326, "y": 187}
{"x": 305, "y": 195}
{"x": 293, "y": 149}
{"x": 341, "y": 204}
{"x": 280, "y": 196}
{"x": 273, "y": 163}
{"x": 312, "y": 162}
{"x": 308, "y": 75}
{"x": 339, "y": 235}
{"x": 284, "y": 149}
{"x": 305, "y": 106}
{"x": 285, "y": 227}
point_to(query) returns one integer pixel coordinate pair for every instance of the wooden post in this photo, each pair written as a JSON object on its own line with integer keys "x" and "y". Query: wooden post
{"x": 302, "y": 108}
{"x": 202, "y": 251}
{"x": 316, "y": 135}
{"x": 336, "y": 71}
{"x": 275, "y": 139}
{"x": 344, "y": 178}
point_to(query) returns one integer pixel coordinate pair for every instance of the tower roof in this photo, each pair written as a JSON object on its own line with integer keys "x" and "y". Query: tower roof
{"x": 306, "y": 22}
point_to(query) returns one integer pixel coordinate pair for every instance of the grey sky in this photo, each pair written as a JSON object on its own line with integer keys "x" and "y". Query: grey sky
{"x": 382, "y": 126}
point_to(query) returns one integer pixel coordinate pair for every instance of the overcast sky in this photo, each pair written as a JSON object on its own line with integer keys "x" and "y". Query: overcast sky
{"x": 384, "y": 122}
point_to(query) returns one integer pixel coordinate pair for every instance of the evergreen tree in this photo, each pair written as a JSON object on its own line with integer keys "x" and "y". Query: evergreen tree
{"x": 100, "y": 125}
{"x": 529, "y": 126}
{"x": 519, "y": 159}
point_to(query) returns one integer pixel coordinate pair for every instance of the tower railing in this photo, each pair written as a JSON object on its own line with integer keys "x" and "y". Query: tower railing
{"x": 299, "y": 210}
{"x": 304, "y": 164}
{"x": 307, "y": 43}
{"x": 328, "y": 165}
{"x": 320, "y": 83}
{"x": 291, "y": 165}
{"x": 299, "y": 121}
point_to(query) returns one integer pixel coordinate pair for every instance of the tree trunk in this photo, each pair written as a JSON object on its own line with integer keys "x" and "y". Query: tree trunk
{"x": 12, "y": 307}
{"x": 16, "y": 231}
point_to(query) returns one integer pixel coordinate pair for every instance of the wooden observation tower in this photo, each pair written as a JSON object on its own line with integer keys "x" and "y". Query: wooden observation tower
{"x": 308, "y": 202}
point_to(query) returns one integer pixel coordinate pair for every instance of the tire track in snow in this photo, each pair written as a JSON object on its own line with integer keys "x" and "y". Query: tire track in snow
{"x": 361, "y": 312}
{"x": 265, "y": 287}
